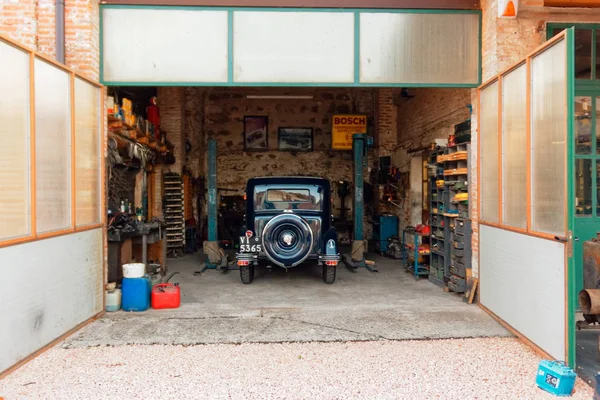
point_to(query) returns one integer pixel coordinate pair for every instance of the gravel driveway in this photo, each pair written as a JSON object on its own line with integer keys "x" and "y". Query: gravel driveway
{"x": 483, "y": 368}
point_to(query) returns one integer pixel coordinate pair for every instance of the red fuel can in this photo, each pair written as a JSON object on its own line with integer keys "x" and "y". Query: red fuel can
{"x": 166, "y": 295}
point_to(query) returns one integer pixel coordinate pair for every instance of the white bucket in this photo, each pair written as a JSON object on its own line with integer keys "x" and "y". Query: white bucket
{"x": 113, "y": 300}
{"x": 134, "y": 270}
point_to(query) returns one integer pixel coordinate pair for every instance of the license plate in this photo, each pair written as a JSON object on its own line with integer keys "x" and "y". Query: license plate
{"x": 250, "y": 245}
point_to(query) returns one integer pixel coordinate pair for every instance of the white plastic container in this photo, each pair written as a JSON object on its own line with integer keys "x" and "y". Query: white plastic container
{"x": 134, "y": 270}
{"x": 113, "y": 300}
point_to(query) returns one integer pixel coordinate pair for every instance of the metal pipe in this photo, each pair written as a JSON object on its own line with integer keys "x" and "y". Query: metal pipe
{"x": 589, "y": 301}
{"x": 59, "y": 7}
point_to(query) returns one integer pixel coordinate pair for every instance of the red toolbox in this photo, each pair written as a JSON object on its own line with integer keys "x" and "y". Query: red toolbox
{"x": 166, "y": 295}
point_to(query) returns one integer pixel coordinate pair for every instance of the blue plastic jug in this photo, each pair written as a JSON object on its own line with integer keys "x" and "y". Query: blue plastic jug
{"x": 135, "y": 294}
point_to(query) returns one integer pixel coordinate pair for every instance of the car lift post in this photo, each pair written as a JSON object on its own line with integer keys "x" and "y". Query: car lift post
{"x": 356, "y": 258}
{"x": 216, "y": 258}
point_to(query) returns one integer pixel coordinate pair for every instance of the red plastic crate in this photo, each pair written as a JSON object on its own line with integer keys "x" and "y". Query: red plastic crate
{"x": 166, "y": 295}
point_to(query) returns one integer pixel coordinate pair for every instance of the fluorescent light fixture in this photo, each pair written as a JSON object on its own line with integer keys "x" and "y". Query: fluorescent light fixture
{"x": 279, "y": 97}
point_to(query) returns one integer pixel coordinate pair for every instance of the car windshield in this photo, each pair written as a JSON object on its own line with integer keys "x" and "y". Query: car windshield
{"x": 288, "y": 197}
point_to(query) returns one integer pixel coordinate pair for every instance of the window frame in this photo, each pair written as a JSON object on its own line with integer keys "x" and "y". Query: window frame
{"x": 528, "y": 132}
{"x": 594, "y": 81}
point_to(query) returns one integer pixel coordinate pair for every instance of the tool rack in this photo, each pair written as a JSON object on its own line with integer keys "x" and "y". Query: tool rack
{"x": 174, "y": 211}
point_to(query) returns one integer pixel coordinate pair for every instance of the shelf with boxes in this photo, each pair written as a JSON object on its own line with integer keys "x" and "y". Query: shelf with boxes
{"x": 439, "y": 249}
{"x": 457, "y": 167}
{"x": 123, "y": 122}
{"x": 449, "y": 172}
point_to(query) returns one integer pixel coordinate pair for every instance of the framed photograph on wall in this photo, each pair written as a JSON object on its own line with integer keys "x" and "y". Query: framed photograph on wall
{"x": 295, "y": 139}
{"x": 256, "y": 133}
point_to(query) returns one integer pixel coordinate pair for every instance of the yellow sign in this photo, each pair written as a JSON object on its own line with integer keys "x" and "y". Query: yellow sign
{"x": 342, "y": 129}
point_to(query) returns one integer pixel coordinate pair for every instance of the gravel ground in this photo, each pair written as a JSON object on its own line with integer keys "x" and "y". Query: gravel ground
{"x": 498, "y": 368}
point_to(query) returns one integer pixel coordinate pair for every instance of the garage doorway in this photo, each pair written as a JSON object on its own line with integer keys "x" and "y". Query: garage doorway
{"x": 269, "y": 110}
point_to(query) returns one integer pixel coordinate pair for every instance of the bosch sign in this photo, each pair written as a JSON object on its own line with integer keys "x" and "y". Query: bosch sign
{"x": 350, "y": 121}
{"x": 342, "y": 129}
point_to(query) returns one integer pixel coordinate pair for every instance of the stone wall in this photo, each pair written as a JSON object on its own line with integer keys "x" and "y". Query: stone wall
{"x": 219, "y": 113}
{"x": 224, "y": 115}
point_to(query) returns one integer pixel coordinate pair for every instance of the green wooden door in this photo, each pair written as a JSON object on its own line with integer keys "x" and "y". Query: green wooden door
{"x": 584, "y": 183}
{"x": 586, "y": 174}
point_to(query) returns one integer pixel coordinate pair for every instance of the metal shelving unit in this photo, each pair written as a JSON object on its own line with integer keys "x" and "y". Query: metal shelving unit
{"x": 174, "y": 211}
{"x": 438, "y": 242}
{"x": 457, "y": 171}
{"x": 411, "y": 250}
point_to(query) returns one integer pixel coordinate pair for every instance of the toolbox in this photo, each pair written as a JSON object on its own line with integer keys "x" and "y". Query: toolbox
{"x": 166, "y": 295}
{"x": 384, "y": 227}
{"x": 555, "y": 377}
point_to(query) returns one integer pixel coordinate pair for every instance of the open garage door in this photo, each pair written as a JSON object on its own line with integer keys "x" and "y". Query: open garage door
{"x": 168, "y": 46}
{"x": 525, "y": 141}
{"x": 51, "y": 174}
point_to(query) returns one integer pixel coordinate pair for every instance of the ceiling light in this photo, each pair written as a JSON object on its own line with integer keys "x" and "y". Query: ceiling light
{"x": 279, "y": 97}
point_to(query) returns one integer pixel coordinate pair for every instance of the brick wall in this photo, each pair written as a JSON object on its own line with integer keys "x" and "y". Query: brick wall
{"x": 195, "y": 159}
{"x": 386, "y": 135}
{"x": 387, "y": 121}
{"x": 506, "y": 41}
{"x": 46, "y": 30}
{"x": 18, "y": 21}
{"x": 430, "y": 115}
{"x": 32, "y": 23}
{"x": 82, "y": 36}
{"x": 171, "y": 102}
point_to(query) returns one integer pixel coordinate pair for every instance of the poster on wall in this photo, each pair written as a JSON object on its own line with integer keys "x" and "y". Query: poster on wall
{"x": 343, "y": 127}
{"x": 295, "y": 139}
{"x": 256, "y": 133}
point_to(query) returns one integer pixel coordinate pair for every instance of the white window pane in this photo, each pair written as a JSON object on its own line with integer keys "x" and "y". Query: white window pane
{"x": 87, "y": 156}
{"x": 514, "y": 148}
{"x": 52, "y": 148}
{"x": 488, "y": 135}
{"x": 548, "y": 139}
{"x": 14, "y": 134}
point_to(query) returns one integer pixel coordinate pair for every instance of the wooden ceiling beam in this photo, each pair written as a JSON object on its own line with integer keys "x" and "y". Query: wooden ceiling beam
{"x": 572, "y": 3}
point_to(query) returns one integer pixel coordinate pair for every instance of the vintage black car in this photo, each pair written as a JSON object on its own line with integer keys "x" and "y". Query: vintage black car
{"x": 288, "y": 222}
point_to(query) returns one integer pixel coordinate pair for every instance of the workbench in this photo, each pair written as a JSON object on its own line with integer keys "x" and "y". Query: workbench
{"x": 147, "y": 241}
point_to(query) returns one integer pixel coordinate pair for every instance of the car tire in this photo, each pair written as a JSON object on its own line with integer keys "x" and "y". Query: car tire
{"x": 247, "y": 274}
{"x": 329, "y": 274}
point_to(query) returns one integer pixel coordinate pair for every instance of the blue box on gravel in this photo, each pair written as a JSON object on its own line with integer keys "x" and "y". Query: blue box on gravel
{"x": 555, "y": 377}
{"x": 135, "y": 294}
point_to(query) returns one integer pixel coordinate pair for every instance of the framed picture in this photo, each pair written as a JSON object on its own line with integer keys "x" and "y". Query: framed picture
{"x": 295, "y": 139}
{"x": 256, "y": 133}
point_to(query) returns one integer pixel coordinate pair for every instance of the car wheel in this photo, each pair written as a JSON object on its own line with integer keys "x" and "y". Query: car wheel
{"x": 287, "y": 240}
{"x": 247, "y": 274}
{"x": 329, "y": 273}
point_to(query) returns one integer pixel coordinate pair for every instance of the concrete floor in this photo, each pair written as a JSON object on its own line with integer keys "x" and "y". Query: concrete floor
{"x": 295, "y": 306}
